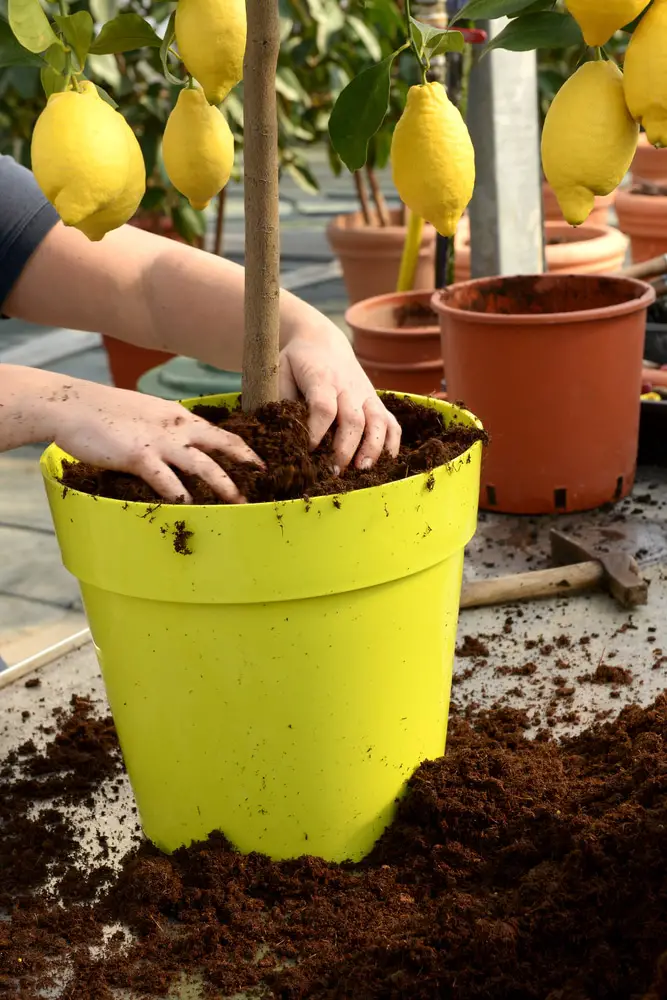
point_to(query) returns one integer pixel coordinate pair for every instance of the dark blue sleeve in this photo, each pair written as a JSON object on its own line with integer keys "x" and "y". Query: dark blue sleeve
{"x": 25, "y": 219}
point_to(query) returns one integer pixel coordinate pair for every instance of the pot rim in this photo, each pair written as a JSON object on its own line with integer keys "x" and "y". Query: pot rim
{"x": 334, "y": 226}
{"x": 627, "y": 195}
{"x": 358, "y": 307}
{"x": 548, "y": 319}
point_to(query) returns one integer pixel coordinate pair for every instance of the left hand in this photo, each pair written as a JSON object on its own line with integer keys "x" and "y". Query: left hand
{"x": 318, "y": 362}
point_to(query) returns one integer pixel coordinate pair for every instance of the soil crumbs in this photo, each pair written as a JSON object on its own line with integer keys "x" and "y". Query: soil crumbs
{"x": 516, "y": 869}
{"x": 278, "y": 434}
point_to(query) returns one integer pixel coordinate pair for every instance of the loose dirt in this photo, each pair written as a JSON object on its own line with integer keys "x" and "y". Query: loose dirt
{"x": 516, "y": 869}
{"x": 278, "y": 434}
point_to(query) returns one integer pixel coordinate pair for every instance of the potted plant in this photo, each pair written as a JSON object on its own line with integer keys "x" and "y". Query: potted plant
{"x": 642, "y": 215}
{"x": 269, "y": 699}
{"x": 525, "y": 351}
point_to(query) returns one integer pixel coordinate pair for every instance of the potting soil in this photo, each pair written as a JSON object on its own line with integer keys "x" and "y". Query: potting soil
{"x": 278, "y": 433}
{"x": 517, "y": 869}
{"x": 416, "y": 315}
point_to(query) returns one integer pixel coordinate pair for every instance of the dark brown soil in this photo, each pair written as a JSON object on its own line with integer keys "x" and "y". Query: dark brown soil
{"x": 415, "y": 315}
{"x": 278, "y": 433}
{"x": 516, "y": 870}
{"x": 649, "y": 188}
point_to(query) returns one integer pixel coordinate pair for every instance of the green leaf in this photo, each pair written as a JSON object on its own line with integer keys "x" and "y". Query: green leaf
{"x": 52, "y": 81}
{"x": 547, "y": 30}
{"x": 359, "y": 112}
{"x": 488, "y": 10}
{"x": 78, "y": 30}
{"x": 106, "y": 97}
{"x": 125, "y": 33}
{"x": 31, "y": 25}
{"x": 12, "y": 52}
{"x": 103, "y": 10}
{"x": 169, "y": 37}
{"x": 367, "y": 38}
{"x": 56, "y": 57}
{"x": 106, "y": 68}
{"x": 288, "y": 84}
{"x": 302, "y": 175}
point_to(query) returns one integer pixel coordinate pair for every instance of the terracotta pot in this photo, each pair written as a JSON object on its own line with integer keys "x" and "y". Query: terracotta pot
{"x": 371, "y": 255}
{"x": 127, "y": 362}
{"x": 552, "y": 213}
{"x": 404, "y": 358}
{"x": 644, "y": 218}
{"x": 552, "y": 365}
{"x": 585, "y": 250}
{"x": 649, "y": 164}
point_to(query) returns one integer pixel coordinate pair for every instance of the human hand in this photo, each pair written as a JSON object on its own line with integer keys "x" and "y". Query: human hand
{"x": 318, "y": 362}
{"x": 143, "y": 435}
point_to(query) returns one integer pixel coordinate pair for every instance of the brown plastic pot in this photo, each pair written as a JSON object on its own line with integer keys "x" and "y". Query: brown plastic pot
{"x": 552, "y": 365}
{"x": 643, "y": 218}
{"x": 370, "y": 256}
{"x": 404, "y": 358}
{"x": 552, "y": 213}
{"x": 649, "y": 164}
{"x": 587, "y": 249}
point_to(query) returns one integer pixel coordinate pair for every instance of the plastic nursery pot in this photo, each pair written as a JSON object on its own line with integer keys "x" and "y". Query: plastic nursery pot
{"x": 370, "y": 256}
{"x": 552, "y": 213}
{"x": 397, "y": 341}
{"x": 553, "y": 366}
{"x": 644, "y": 219}
{"x": 588, "y": 249}
{"x": 283, "y": 681}
{"x": 649, "y": 164}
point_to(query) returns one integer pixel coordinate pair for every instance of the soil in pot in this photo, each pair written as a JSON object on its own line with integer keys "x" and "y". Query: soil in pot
{"x": 517, "y": 869}
{"x": 278, "y": 433}
{"x": 525, "y": 353}
{"x": 397, "y": 341}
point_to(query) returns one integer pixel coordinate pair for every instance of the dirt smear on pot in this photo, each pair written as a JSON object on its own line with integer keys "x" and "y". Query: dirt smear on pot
{"x": 516, "y": 869}
{"x": 278, "y": 434}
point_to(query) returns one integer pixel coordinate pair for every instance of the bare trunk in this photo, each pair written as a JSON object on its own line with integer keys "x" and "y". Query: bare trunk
{"x": 220, "y": 223}
{"x": 362, "y": 194}
{"x": 378, "y": 198}
{"x": 261, "y": 346}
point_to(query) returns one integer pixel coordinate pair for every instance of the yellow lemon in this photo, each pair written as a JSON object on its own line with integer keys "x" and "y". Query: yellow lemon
{"x": 198, "y": 148}
{"x": 432, "y": 158}
{"x": 211, "y": 38}
{"x": 87, "y": 161}
{"x": 645, "y": 74}
{"x": 589, "y": 139}
{"x": 600, "y": 19}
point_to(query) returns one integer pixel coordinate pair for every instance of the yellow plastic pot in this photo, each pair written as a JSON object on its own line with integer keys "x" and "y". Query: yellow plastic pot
{"x": 283, "y": 681}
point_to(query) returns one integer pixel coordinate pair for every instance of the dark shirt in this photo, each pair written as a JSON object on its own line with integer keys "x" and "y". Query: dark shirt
{"x": 25, "y": 219}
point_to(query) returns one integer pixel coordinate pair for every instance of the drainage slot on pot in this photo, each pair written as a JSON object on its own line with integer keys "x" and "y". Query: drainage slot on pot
{"x": 560, "y": 499}
{"x": 491, "y": 496}
{"x": 619, "y": 488}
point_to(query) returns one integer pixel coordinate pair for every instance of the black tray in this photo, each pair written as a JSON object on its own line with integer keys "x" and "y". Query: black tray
{"x": 653, "y": 433}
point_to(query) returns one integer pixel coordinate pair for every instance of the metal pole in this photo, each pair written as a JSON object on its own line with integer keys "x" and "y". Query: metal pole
{"x": 506, "y": 225}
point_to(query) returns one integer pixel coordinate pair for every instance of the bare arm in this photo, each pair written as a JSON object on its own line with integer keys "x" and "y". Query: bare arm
{"x": 147, "y": 290}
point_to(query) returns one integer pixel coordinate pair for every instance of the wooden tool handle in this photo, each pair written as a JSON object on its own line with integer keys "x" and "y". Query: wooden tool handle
{"x": 524, "y": 586}
{"x": 646, "y": 269}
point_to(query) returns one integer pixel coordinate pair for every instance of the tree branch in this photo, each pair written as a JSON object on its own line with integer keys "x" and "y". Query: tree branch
{"x": 261, "y": 346}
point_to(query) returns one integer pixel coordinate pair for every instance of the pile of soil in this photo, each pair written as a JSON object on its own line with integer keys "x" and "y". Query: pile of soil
{"x": 516, "y": 869}
{"x": 278, "y": 433}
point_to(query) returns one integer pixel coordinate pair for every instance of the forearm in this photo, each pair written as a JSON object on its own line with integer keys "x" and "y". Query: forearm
{"x": 29, "y": 398}
{"x": 144, "y": 289}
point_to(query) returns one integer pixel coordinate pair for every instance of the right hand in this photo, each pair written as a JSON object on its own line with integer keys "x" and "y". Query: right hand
{"x": 129, "y": 432}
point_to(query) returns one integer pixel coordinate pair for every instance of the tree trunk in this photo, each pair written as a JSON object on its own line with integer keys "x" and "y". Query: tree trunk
{"x": 362, "y": 194}
{"x": 261, "y": 346}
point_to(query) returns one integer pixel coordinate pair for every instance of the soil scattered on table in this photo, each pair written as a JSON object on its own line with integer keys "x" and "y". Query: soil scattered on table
{"x": 517, "y": 869}
{"x": 278, "y": 434}
{"x": 416, "y": 315}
